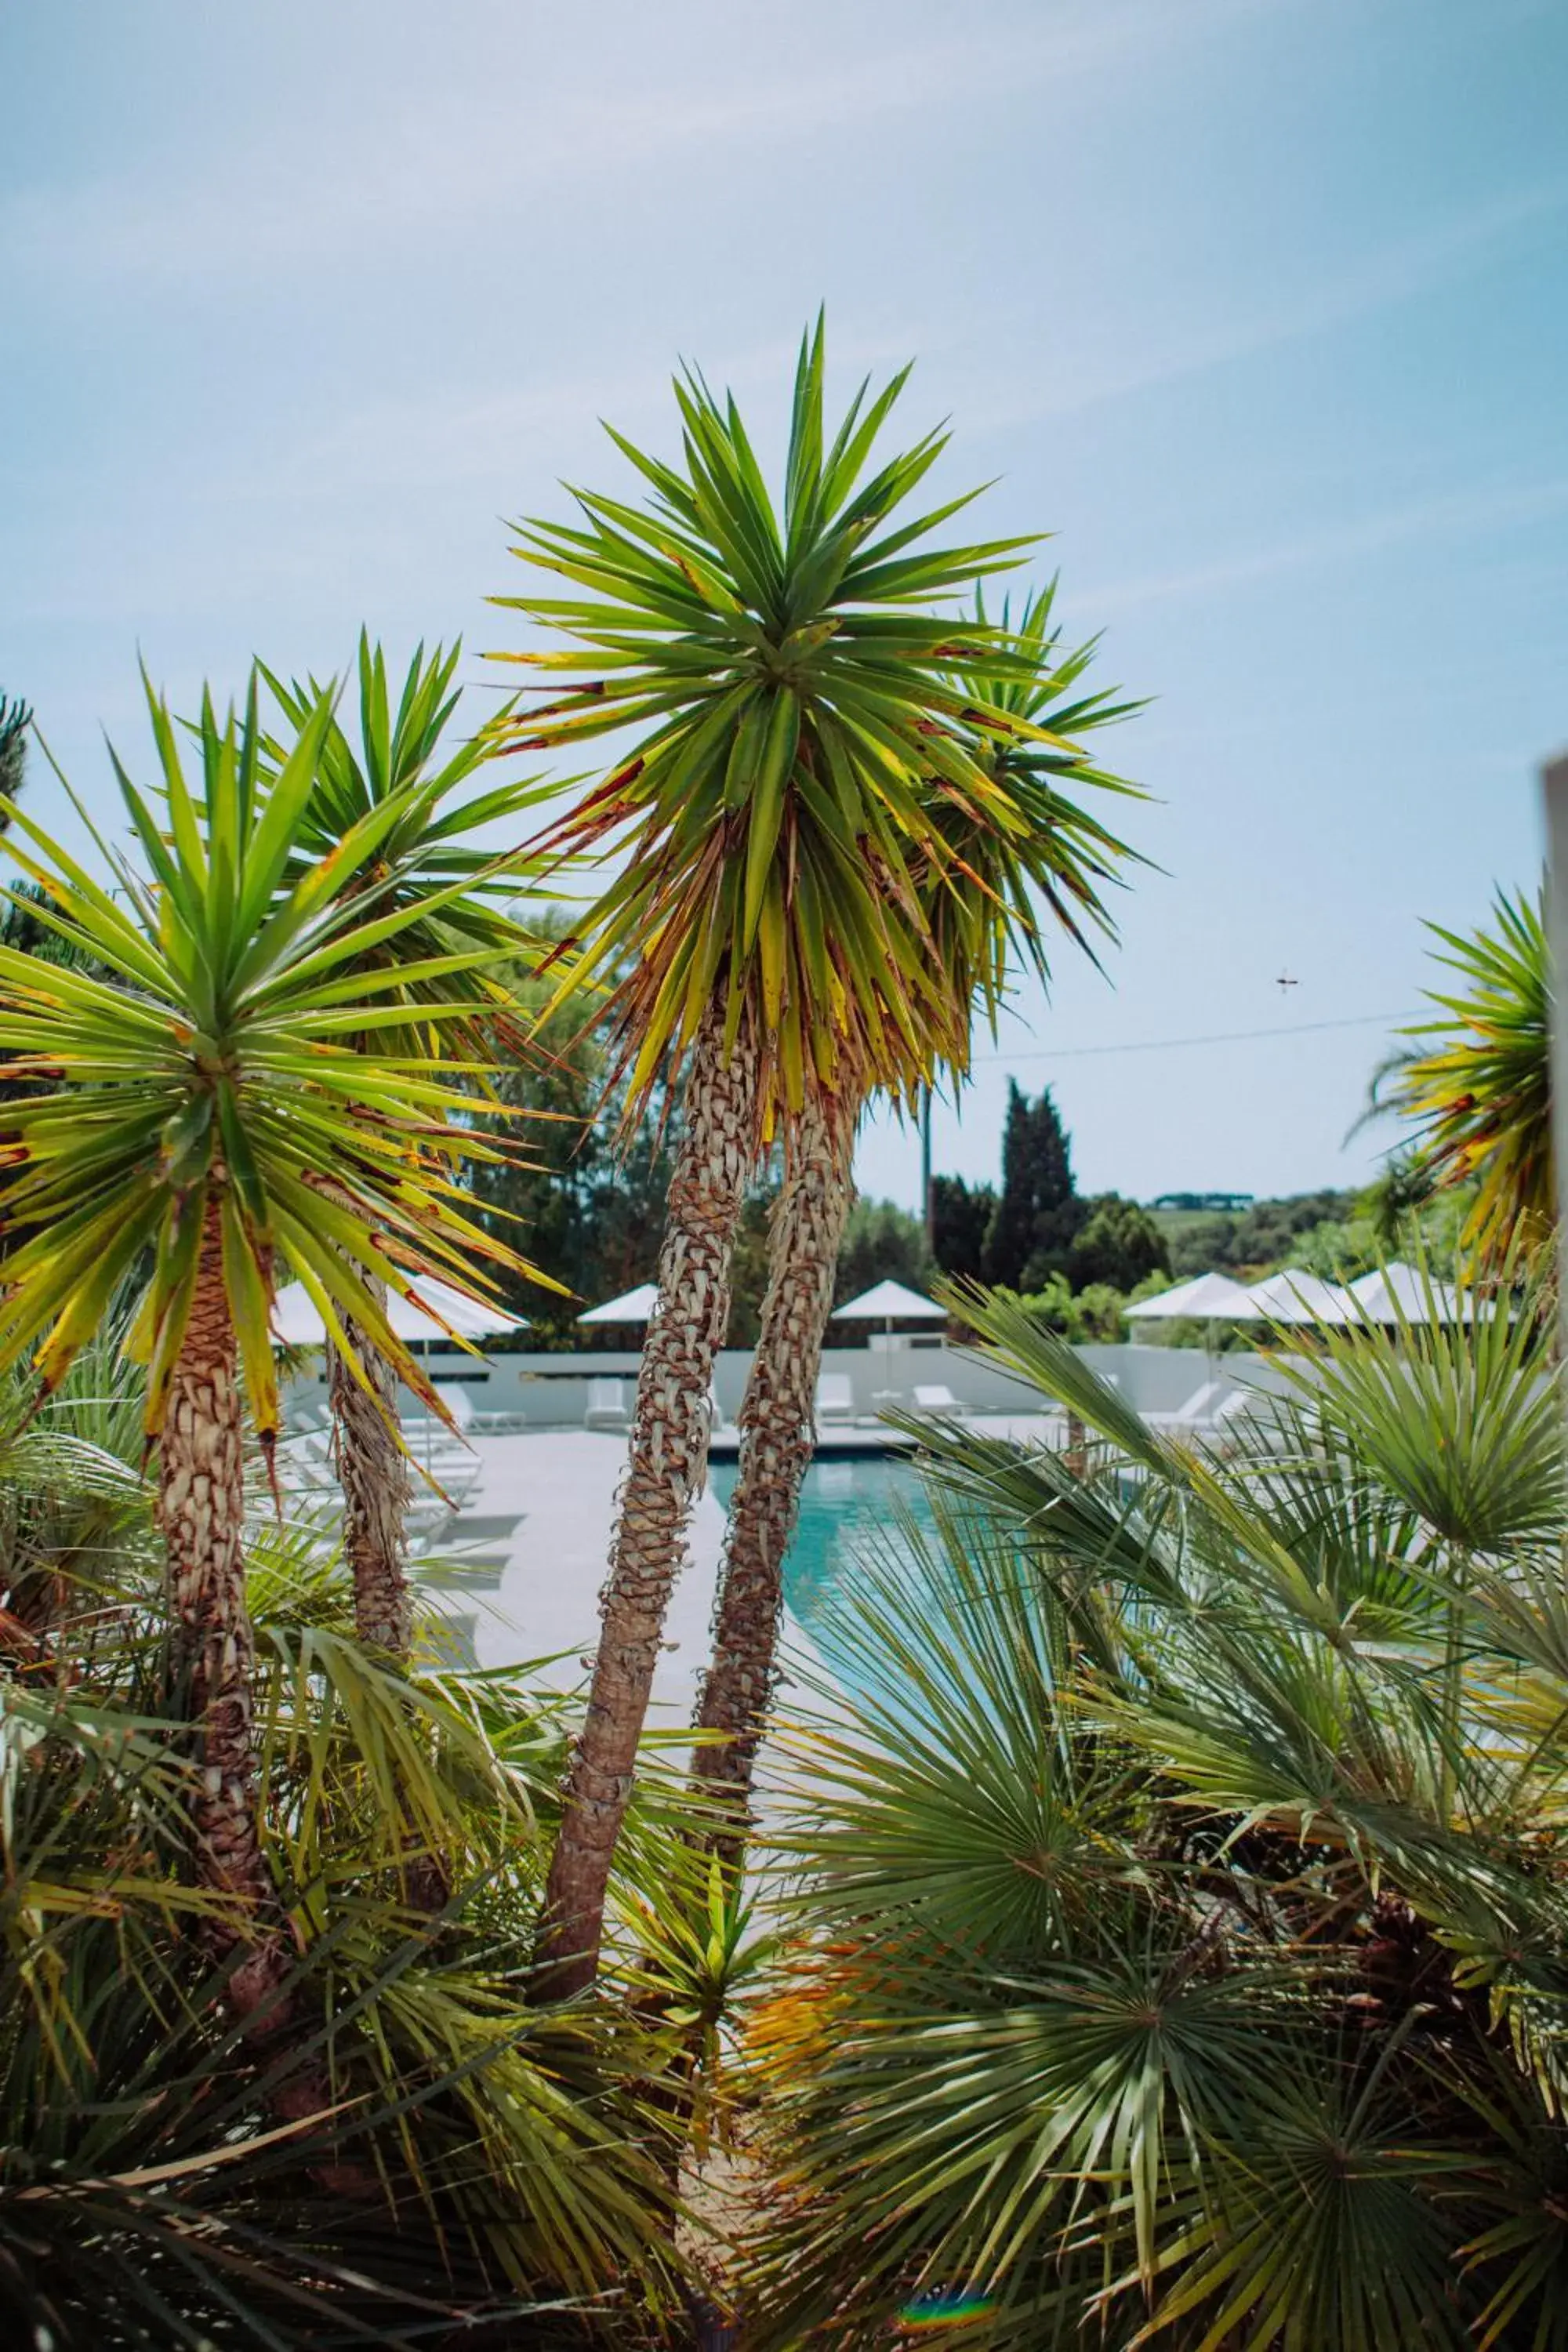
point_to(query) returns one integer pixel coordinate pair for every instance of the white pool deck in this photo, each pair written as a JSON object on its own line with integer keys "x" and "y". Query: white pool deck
{"x": 534, "y": 1533}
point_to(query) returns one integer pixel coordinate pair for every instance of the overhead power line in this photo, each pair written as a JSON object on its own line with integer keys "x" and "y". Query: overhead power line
{"x": 1217, "y": 1037}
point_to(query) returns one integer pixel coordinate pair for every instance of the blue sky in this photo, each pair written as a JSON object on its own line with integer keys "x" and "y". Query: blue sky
{"x": 1260, "y": 307}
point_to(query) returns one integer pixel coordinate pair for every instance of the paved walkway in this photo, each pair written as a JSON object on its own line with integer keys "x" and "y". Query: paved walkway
{"x": 544, "y": 1510}
{"x": 534, "y": 1536}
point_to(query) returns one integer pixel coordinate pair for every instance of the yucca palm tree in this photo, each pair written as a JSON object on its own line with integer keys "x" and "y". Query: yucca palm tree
{"x": 1185, "y": 1952}
{"x": 429, "y": 865}
{"x": 991, "y": 901}
{"x": 1477, "y": 1078}
{"x": 198, "y": 1125}
{"x": 796, "y": 701}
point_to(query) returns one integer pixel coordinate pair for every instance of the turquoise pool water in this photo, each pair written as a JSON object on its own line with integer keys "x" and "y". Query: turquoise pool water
{"x": 842, "y": 1505}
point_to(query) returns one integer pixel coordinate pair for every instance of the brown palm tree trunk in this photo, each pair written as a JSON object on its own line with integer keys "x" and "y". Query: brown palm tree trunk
{"x": 777, "y": 1419}
{"x": 668, "y": 1460}
{"x": 201, "y": 1509}
{"x": 373, "y": 1472}
{"x": 377, "y": 1485}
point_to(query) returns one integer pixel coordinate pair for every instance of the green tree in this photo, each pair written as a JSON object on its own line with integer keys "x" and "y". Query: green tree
{"x": 201, "y": 1127}
{"x": 984, "y": 884}
{"x": 1253, "y": 1241}
{"x": 781, "y": 666}
{"x": 449, "y": 2163}
{"x": 881, "y": 1243}
{"x": 590, "y": 1192}
{"x": 1118, "y": 1244}
{"x": 15, "y": 720}
{"x": 1038, "y": 1212}
{"x": 961, "y": 1218}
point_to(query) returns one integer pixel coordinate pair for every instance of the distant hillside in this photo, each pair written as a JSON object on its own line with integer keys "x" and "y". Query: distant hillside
{"x": 1203, "y": 1200}
{"x": 1242, "y": 1240}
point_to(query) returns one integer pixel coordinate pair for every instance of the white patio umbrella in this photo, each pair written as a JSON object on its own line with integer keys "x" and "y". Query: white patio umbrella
{"x": 297, "y": 1324}
{"x": 1208, "y": 1298}
{"x": 632, "y": 1307}
{"x": 887, "y": 1303}
{"x": 1297, "y": 1297}
{"x": 1391, "y": 1294}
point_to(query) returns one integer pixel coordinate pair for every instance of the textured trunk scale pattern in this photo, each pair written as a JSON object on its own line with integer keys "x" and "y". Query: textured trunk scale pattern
{"x": 776, "y": 1436}
{"x": 667, "y": 1464}
{"x": 377, "y": 1485}
{"x": 201, "y": 1509}
{"x": 375, "y": 1477}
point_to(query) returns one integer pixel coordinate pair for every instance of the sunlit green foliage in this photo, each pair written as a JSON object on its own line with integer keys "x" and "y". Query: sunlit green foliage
{"x": 204, "y": 1052}
{"x": 167, "y": 2180}
{"x": 805, "y": 709}
{"x": 1185, "y": 1950}
{"x": 1479, "y": 1084}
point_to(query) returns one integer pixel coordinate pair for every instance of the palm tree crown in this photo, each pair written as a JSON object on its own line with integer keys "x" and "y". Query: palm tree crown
{"x": 427, "y": 858}
{"x": 801, "y": 705}
{"x": 208, "y": 1070}
{"x": 1478, "y": 1077}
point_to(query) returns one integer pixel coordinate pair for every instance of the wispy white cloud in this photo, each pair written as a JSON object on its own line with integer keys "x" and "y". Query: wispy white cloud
{"x": 449, "y": 434}
{"x": 420, "y": 171}
{"x": 1397, "y": 272}
{"x": 1496, "y": 510}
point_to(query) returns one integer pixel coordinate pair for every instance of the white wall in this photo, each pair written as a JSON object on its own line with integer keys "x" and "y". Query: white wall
{"x": 551, "y": 1390}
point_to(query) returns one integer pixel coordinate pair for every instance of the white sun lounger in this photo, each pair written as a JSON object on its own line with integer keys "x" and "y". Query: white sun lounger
{"x": 606, "y": 1405}
{"x": 1195, "y": 1413}
{"x": 935, "y": 1396}
{"x": 835, "y": 1399}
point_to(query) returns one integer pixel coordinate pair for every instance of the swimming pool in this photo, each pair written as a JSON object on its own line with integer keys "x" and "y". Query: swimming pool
{"x": 842, "y": 1504}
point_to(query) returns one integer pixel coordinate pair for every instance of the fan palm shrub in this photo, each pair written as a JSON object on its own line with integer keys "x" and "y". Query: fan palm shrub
{"x": 1183, "y": 1957}
{"x": 990, "y": 899}
{"x": 793, "y": 700}
{"x": 428, "y": 865}
{"x": 74, "y": 1504}
{"x": 198, "y": 1125}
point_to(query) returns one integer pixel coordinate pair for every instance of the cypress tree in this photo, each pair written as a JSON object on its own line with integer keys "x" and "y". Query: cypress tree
{"x": 961, "y": 1218}
{"x": 13, "y": 718}
{"x": 1038, "y": 1212}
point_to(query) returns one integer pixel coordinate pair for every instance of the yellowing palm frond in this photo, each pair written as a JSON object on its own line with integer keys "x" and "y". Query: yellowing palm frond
{"x": 433, "y": 853}
{"x": 1479, "y": 1087}
{"x": 203, "y": 1051}
{"x": 794, "y": 700}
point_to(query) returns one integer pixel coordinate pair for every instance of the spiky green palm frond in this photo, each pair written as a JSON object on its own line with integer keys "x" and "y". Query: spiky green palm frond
{"x": 1478, "y": 1084}
{"x": 796, "y": 707}
{"x": 985, "y": 900}
{"x": 214, "y": 1063}
{"x": 149, "y": 2198}
{"x": 433, "y": 854}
